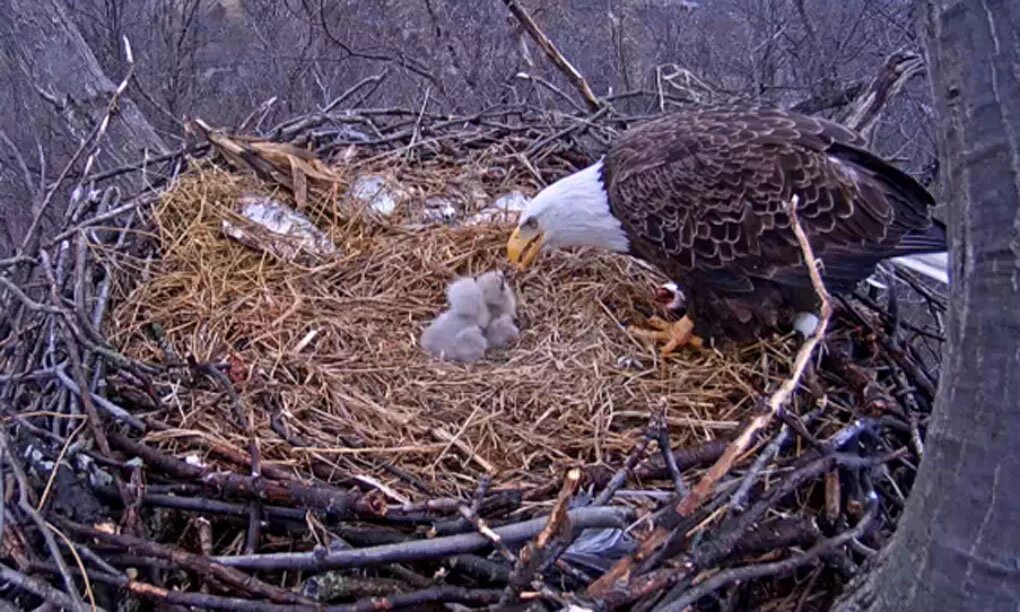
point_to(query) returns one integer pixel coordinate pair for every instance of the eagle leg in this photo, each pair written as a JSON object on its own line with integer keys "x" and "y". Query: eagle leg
{"x": 675, "y": 334}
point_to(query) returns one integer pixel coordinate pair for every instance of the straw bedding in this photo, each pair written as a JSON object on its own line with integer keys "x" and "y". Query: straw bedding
{"x": 326, "y": 358}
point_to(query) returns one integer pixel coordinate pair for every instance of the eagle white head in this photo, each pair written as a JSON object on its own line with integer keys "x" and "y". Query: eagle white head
{"x": 572, "y": 212}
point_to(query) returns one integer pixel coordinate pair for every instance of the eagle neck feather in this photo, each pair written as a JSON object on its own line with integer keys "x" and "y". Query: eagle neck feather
{"x": 576, "y": 212}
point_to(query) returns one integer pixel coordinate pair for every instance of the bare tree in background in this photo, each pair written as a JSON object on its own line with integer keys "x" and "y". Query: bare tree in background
{"x": 957, "y": 544}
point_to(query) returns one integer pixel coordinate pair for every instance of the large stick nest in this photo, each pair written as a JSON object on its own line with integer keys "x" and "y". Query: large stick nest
{"x": 244, "y": 403}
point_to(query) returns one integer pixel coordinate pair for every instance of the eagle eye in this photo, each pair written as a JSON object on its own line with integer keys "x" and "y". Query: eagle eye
{"x": 531, "y": 223}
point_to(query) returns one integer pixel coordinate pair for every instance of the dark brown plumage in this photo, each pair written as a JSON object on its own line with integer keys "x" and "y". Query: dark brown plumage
{"x": 702, "y": 195}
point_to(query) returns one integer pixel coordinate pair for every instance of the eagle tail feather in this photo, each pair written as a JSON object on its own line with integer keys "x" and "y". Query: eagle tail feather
{"x": 932, "y": 265}
{"x": 924, "y": 253}
{"x": 930, "y": 240}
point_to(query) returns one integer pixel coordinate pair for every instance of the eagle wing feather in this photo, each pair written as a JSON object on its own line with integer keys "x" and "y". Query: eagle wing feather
{"x": 703, "y": 194}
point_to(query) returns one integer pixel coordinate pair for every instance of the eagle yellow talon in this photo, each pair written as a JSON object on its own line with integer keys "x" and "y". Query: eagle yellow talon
{"x": 675, "y": 334}
{"x": 657, "y": 322}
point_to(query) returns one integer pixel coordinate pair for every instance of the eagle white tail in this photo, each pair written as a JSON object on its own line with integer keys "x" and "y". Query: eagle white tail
{"x": 932, "y": 265}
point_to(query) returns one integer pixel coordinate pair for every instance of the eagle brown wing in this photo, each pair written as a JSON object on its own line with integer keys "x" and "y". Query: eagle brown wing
{"x": 707, "y": 190}
{"x": 703, "y": 194}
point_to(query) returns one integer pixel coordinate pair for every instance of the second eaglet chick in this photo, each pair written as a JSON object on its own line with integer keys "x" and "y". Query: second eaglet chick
{"x": 502, "y": 305}
{"x": 457, "y": 334}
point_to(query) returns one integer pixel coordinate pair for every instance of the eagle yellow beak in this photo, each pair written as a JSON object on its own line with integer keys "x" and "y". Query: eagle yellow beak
{"x": 523, "y": 247}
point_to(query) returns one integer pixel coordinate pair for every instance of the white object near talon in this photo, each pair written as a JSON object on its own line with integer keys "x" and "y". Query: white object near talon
{"x": 806, "y": 323}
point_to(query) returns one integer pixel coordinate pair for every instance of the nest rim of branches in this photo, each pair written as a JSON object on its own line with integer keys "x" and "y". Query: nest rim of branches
{"x": 236, "y": 443}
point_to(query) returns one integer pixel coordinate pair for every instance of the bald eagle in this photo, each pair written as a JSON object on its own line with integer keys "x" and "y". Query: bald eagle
{"x": 702, "y": 195}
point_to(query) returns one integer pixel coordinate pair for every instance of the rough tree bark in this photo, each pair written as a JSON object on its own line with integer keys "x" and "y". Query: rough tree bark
{"x": 958, "y": 543}
{"x": 43, "y": 43}
{"x": 51, "y": 52}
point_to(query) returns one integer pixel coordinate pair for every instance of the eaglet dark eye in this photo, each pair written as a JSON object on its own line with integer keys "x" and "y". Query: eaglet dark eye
{"x": 531, "y": 223}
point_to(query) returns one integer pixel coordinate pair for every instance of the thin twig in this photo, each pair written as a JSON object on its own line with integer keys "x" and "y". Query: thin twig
{"x": 482, "y": 528}
{"x": 662, "y": 437}
{"x": 620, "y": 477}
{"x": 57, "y": 465}
{"x": 243, "y": 414}
{"x": 39, "y": 588}
{"x": 763, "y": 459}
{"x": 778, "y": 400}
{"x": 322, "y": 498}
{"x": 106, "y": 405}
{"x": 28, "y": 508}
{"x": 197, "y": 563}
{"x": 89, "y": 146}
{"x": 27, "y": 301}
{"x": 71, "y": 548}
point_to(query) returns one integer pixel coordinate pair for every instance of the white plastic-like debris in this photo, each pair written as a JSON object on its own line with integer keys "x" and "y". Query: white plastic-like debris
{"x": 513, "y": 201}
{"x": 100, "y": 478}
{"x": 372, "y": 191}
{"x": 504, "y": 208}
{"x": 194, "y": 460}
{"x": 806, "y": 323}
{"x": 626, "y": 362}
{"x": 439, "y": 210}
{"x": 270, "y": 226}
{"x": 597, "y": 549}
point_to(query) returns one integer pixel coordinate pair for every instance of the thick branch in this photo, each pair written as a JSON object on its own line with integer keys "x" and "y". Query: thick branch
{"x": 557, "y": 58}
{"x": 581, "y": 518}
{"x": 866, "y": 109}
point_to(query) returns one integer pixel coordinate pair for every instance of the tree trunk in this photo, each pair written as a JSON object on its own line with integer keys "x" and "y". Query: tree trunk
{"x": 43, "y": 43}
{"x": 958, "y": 542}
